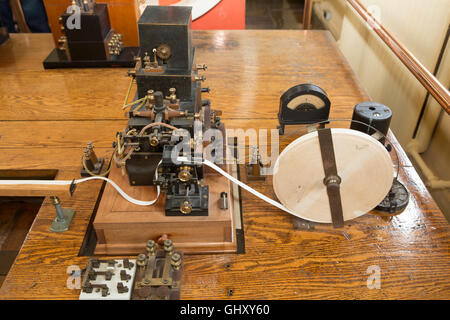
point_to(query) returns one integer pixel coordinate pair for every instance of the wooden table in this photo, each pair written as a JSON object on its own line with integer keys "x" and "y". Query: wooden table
{"x": 47, "y": 116}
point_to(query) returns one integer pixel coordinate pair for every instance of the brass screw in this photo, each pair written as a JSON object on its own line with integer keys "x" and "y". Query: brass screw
{"x": 199, "y": 78}
{"x": 201, "y": 67}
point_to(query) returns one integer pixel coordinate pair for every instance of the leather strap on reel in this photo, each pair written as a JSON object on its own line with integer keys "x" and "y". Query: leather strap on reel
{"x": 332, "y": 180}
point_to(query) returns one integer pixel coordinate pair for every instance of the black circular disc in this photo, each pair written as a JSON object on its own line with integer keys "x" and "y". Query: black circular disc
{"x": 396, "y": 200}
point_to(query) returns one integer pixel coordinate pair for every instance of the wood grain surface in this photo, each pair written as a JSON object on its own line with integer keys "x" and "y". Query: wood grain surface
{"x": 47, "y": 116}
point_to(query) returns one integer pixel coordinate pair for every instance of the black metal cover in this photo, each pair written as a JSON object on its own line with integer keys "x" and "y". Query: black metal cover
{"x": 374, "y": 114}
{"x": 93, "y": 26}
{"x": 182, "y": 81}
{"x": 170, "y": 25}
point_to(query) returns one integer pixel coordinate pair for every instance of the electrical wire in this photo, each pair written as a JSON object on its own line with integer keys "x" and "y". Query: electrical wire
{"x": 156, "y": 124}
{"x": 128, "y": 94}
{"x": 134, "y": 102}
{"x": 151, "y": 202}
{"x": 69, "y": 182}
{"x": 104, "y": 174}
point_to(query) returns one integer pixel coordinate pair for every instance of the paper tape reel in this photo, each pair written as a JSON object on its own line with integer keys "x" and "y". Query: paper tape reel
{"x": 362, "y": 162}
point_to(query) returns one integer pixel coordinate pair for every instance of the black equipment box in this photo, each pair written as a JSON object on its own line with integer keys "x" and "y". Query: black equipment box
{"x": 167, "y": 27}
{"x": 94, "y": 26}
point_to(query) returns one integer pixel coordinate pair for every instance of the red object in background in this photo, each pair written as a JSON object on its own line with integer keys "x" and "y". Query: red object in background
{"x": 226, "y": 15}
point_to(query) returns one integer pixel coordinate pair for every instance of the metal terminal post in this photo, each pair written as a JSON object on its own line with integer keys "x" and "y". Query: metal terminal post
{"x": 141, "y": 260}
{"x": 175, "y": 261}
{"x": 155, "y": 59}
{"x": 63, "y": 217}
{"x": 85, "y": 6}
{"x": 223, "y": 201}
{"x": 168, "y": 247}
{"x": 151, "y": 248}
{"x": 146, "y": 61}
{"x": 172, "y": 95}
{"x": 91, "y": 165}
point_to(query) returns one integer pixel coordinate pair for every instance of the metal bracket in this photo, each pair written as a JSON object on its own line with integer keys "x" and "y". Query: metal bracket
{"x": 254, "y": 169}
{"x": 158, "y": 273}
{"x": 302, "y": 224}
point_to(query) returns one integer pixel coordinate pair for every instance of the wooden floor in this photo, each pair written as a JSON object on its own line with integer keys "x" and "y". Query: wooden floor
{"x": 47, "y": 116}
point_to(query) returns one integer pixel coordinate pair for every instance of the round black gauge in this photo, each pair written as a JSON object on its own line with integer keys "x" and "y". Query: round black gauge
{"x": 303, "y": 104}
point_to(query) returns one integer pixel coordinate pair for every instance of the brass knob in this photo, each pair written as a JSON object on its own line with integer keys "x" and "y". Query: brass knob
{"x": 186, "y": 207}
{"x": 184, "y": 174}
{"x": 154, "y": 141}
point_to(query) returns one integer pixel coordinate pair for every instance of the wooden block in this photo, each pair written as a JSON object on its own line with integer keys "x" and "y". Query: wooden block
{"x": 124, "y": 228}
{"x": 36, "y": 190}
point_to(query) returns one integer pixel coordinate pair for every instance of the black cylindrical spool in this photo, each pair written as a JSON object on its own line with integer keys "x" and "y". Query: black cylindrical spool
{"x": 374, "y": 114}
{"x": 159, "y": 101}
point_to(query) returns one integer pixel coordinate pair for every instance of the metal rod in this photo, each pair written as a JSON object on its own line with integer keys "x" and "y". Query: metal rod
{"x": 59, "y": 211}
{"x": 307, "y": 13}
{"x": 433, "y": 86}
{"x": 432, "y": 181}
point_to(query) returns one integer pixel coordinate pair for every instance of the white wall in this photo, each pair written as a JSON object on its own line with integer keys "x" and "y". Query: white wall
{"x": 421, "y": 26}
